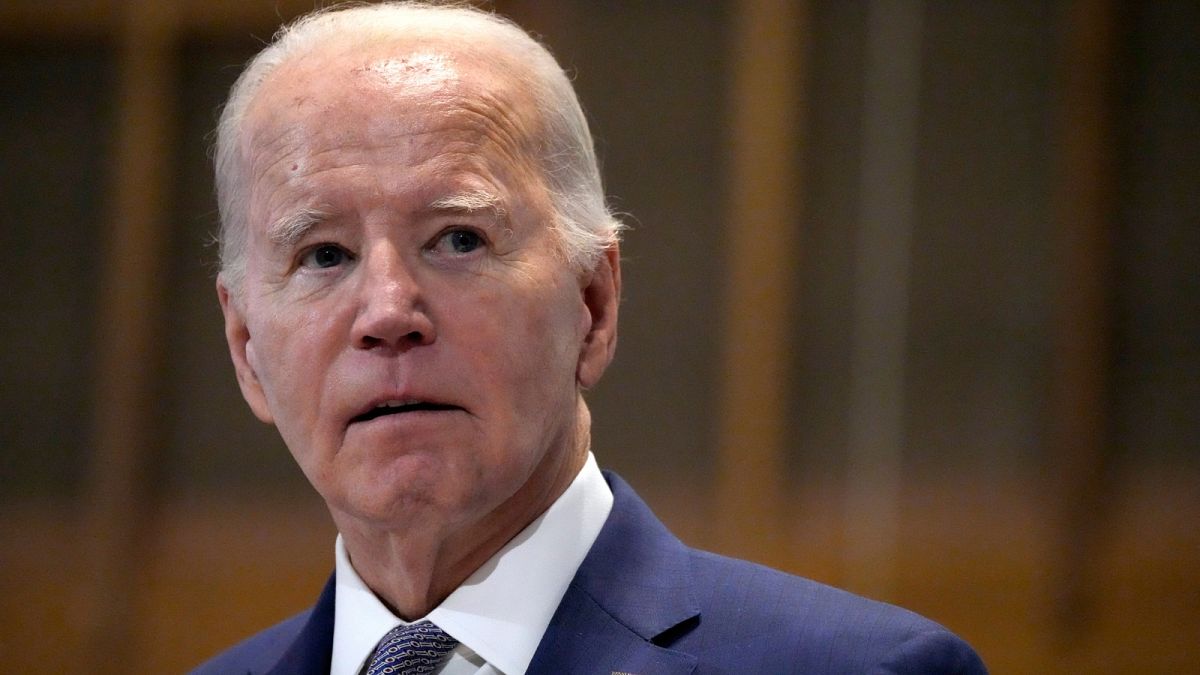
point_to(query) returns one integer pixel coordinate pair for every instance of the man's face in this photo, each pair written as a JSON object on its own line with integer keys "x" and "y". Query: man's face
{"x": 406, "y": 320}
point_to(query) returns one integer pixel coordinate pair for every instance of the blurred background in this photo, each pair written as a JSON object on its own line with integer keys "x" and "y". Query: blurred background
{"x": 912, "y": 306}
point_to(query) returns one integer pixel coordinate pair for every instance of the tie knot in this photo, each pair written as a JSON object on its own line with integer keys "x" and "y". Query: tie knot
{"x": 415, "y": 649}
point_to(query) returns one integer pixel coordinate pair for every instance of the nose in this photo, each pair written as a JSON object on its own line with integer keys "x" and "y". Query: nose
{"x": 392, "y": 314}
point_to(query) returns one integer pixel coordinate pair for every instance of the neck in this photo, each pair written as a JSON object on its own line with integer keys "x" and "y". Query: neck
{"x": 413, "y": 568}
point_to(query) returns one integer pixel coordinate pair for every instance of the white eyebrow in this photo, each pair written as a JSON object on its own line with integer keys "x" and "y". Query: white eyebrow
{"x": 469, "y": 202}
{"x": 289, "y": 229}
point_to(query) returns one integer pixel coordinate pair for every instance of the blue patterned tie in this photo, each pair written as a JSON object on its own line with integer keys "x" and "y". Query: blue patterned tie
{"x": 416, "y": 649}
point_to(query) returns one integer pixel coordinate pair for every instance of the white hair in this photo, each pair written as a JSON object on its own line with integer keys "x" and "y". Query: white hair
{"x": 567, "y": 159}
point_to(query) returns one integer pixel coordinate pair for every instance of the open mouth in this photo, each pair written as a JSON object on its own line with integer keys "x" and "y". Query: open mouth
{"x": 398, "y": 407}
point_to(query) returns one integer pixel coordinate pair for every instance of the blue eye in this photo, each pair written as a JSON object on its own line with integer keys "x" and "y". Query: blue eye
{"x": 464, "y": 241}
{"x": 325, "y": 256}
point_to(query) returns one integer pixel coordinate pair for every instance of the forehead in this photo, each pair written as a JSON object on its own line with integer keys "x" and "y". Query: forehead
{"x": 351, "y": 95}
{"x": 396, "y": 71}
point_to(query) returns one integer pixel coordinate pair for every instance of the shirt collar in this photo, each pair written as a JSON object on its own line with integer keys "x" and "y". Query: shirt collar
{"x": 502, "y": 610}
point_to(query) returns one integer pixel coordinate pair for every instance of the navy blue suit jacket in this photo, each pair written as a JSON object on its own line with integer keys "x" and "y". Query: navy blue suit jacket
{"x": 643, "y": 603}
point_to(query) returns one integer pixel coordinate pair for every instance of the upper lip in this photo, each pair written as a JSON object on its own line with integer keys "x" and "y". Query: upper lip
{"x": 398, "y": 404}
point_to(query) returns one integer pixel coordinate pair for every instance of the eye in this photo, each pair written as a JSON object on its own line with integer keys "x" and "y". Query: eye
{"x": 324, "y": 256}
{"x": 462, "y": 241}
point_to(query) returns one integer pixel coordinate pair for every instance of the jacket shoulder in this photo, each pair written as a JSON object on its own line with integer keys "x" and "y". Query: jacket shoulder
{"x": 757, "y": 619}
{"x": 257, "y": 653}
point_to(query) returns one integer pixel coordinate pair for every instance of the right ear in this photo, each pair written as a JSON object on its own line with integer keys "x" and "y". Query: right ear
{"x": 241, "y": 350}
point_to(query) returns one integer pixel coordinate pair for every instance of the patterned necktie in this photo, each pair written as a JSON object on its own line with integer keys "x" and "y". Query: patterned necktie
{"x": 416, "y": 649}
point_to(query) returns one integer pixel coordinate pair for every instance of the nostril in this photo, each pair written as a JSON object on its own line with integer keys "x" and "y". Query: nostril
{"x": 409, "y": 339}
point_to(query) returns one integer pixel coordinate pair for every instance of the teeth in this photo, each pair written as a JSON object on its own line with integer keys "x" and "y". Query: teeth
{"x": 397, "y": 403}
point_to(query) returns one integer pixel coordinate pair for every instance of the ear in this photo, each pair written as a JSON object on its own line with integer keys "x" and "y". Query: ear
{"x": 241, "y": 350}
{"x": 601, "y": 295}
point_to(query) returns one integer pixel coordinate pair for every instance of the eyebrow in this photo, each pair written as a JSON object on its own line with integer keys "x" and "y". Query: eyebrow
{"x": 291, "y": 228}
{"x": 473, "y": 201}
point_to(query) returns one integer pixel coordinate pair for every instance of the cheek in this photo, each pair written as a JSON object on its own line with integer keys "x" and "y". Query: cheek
{"x": 518, "y": 343}
{"x": 542, "y": 350}
{"x": 293, "y": 353}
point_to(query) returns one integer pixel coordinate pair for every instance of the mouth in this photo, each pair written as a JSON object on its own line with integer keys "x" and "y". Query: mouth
{"x": 401, "y": 407}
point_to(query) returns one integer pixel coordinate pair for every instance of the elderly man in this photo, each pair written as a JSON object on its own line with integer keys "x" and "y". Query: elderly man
{"x": 419, "y": 279}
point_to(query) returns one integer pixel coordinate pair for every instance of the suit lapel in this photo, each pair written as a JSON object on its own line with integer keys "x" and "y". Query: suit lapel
{"x": 630, "y": 598}
{"x": 311, "y": 651}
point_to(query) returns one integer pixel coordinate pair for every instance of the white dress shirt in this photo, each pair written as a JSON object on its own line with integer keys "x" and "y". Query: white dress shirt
{"x": 501, "y": 611}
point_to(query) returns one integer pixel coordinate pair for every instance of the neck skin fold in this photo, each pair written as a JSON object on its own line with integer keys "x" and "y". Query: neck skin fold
{"x": 412, "y": 568}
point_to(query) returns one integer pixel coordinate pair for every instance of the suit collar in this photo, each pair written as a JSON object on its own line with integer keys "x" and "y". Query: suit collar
{"x": 310, "y": 652}
{"x": 630, "y": 598}
{"x": 637, "y": 570}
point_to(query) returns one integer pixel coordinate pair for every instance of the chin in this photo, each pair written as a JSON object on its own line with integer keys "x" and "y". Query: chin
{"x": 385, "y": 505}
{"x": 400, "y": 491}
